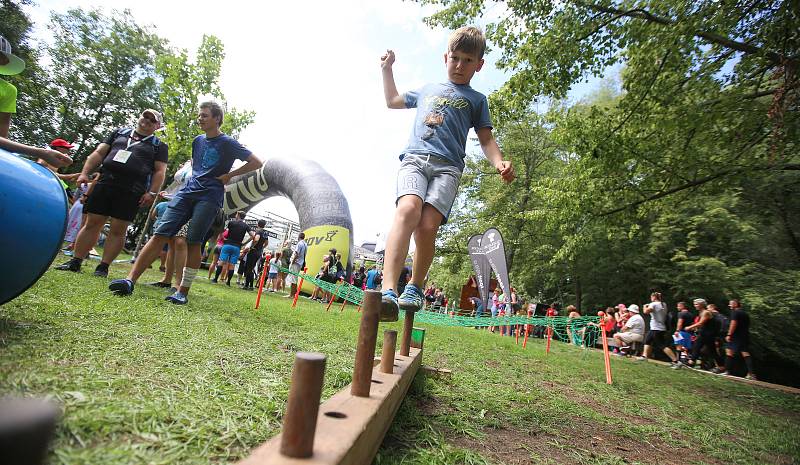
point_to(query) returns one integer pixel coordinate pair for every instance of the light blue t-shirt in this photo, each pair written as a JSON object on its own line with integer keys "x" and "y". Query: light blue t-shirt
{"x": 211, "y": 158}
{"x": 445, "y": 113}
{"x": 302, "y": 247}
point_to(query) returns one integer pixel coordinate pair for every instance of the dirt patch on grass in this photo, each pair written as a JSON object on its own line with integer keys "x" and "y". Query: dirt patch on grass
{"x": 580, "y": 442}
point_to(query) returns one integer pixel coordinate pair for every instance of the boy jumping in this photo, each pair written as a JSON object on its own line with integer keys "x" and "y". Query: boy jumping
{"x": 433, "y": 161}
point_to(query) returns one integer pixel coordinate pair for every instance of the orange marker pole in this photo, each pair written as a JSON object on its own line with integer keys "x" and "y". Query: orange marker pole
{"x": 261, "y": 282}
{"x": 516, "y": 334}
{"x": 344, "y": 298}
{"x": 605, "y": 350}
{"x": 525, "y": 341}
{"x": 549, "y": 336}
{"x": 299, "y": 286}
{"x": 333, "y": 295}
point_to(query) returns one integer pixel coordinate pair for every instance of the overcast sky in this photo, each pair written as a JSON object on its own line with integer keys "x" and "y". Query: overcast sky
{"x": 311, "y": 72}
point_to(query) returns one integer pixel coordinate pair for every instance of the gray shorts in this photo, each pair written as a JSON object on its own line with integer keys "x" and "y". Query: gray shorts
{"x": 433, "y": 179}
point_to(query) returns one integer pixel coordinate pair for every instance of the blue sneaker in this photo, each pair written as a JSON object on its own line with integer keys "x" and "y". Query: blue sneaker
{"x": 177, "y": 298}
{"x": 411, "y": 298}
{"x": 121, "y": 287}
{"x": 389, "y": 309}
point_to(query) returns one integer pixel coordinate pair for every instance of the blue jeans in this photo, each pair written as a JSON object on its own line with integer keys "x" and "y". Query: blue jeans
{"x": 199, "y": 213}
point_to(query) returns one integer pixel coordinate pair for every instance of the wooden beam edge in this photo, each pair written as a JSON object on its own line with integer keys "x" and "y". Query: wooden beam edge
{"x": 354, "y": 439}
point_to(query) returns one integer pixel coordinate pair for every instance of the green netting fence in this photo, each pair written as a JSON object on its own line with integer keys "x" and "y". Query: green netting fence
{"x": 582, "y": 331}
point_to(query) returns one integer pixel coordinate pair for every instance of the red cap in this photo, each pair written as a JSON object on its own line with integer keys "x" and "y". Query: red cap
{"x": 61, "y": 143}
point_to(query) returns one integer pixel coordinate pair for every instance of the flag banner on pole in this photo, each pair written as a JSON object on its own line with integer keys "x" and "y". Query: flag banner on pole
{"x": 495, "y": 252}
{"x": 481, "y": 267}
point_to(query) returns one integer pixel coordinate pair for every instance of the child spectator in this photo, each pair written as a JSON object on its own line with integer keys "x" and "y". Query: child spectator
{"x": 272, "y": 274}
{"x": 432, "y": 162}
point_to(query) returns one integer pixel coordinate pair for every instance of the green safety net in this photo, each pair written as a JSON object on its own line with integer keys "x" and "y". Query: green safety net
{"x": 581, "y": 331}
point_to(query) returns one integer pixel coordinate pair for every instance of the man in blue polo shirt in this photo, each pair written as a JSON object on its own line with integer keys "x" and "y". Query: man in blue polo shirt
{"x": 198, "y": 202}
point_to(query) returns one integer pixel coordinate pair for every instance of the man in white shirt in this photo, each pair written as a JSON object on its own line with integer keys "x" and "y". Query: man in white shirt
{"x": 633, "y": 331}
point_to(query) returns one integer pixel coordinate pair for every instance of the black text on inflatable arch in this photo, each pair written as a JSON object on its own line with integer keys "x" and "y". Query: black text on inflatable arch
{"x": 322, "y": 208}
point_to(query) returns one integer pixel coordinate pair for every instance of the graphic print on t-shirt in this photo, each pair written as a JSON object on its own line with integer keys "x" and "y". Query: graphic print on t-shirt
{"x": 436, "y": 105}
{"x": 210, "y": 157}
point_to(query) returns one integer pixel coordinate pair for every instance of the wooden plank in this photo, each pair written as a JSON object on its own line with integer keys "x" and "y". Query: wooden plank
{"x": 350, "y": 429}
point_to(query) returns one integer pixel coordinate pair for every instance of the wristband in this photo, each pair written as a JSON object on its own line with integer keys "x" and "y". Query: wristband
{"x": 153, "y": 193}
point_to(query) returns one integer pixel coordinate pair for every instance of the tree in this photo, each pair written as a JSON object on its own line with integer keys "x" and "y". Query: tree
{"x": 685, "y": 182}
{"x": 103, "y": 74}
{"x": 30, "y": 125}
{"x": 182, "y": 85}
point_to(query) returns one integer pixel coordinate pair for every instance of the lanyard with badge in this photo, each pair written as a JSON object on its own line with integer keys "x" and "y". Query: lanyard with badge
{"x": 122, "y": 156}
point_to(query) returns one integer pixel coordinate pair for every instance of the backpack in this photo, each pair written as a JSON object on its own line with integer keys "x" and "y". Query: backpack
{"x": 671, "y": 319}
{"x": 333, "y": 269}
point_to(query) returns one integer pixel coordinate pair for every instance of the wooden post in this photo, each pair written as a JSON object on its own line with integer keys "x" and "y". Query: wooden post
{"x": 365, "y": 352}
{"x": 302, "y": 407}
{"x": 26, "y": 428}
{"x": 408, "y": 326}
{"x": 387, "y": 356}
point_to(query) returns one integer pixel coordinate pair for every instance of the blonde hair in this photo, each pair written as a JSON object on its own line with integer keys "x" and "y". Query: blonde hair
{"x": 467, "y": 39}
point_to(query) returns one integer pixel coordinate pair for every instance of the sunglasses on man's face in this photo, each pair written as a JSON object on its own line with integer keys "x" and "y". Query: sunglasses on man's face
{"x": 150, "y": 118}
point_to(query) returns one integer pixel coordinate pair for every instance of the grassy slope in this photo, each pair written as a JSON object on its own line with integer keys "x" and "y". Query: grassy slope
{"x": 143, "y": 381}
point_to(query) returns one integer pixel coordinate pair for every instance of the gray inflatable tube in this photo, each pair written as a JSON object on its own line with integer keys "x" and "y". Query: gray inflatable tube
{"x": 321, "y": 206}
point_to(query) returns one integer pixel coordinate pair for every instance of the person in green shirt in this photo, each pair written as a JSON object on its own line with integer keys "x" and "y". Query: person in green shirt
{"x": 9, "y": 66}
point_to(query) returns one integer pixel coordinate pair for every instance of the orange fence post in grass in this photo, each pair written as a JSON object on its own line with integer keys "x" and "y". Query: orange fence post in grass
{"x": 333, "y": 295}
{"x": 299, "y": 286}
{"x": 344, "y": 298}
{"x": 606, "y": 358}
{"x": 525, "y": 340}
{"x": 261, "y": 282}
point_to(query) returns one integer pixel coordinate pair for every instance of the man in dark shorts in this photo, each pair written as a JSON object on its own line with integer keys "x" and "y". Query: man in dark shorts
{"x": 738, "y": 339}
{"x": 231, "y": 248}
{"x": 260, "y": 240}
{"x": 197, "y": 203}
{"x": 134, "y": 163}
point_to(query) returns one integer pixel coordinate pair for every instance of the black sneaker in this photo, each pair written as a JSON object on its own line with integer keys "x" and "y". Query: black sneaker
{"x": 73, "y": 265}
{"x": 160, "y": 284}
{"x": 101, "y": 270}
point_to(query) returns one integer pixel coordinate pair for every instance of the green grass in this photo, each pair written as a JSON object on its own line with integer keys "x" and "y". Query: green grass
{"x": 143, "y": 381}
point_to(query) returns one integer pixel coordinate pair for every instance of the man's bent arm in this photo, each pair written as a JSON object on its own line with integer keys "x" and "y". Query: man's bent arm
{"x": 158, "y": 176}
{"x": 253, "y": 163}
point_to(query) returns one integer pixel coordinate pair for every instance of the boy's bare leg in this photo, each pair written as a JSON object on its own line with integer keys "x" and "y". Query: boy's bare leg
{"x": 179, "y": 259}
{"x": 425, "y": 240}
{"x": 406, "y": 219}
{"x": 193, "y": 259}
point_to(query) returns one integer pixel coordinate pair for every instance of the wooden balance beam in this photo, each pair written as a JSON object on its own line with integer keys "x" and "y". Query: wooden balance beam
{"x": 354, "y": 421}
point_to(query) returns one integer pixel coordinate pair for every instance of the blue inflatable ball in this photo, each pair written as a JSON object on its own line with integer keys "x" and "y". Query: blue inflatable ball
{"x": 33, "y": 220}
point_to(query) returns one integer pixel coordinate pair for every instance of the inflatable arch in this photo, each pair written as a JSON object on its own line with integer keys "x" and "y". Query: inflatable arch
{"x": 33, "y": 220}
{"x": 324, "y": 215}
